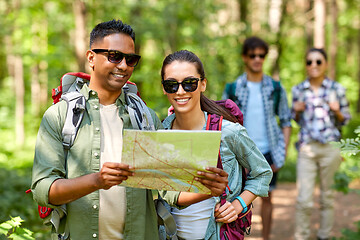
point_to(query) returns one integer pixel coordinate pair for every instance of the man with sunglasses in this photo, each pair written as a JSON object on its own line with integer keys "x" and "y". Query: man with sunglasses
{"x": 262, "y": 99}
{"x": 320, "y": 108}
{"x": 87, "y": 179}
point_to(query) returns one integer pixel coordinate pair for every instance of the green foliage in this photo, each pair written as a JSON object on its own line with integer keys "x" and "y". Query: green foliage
{"x": 13, "y": 230}
{"x": 348, "y": 234}
{"x": 350, "y": 146}
{"x": 350, "y": 168}
{"x": 15, "y": 202}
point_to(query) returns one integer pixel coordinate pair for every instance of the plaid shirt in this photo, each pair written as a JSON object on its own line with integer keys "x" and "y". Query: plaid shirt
{"x": 274, "y": 133}
{"x": 318, "y": 122}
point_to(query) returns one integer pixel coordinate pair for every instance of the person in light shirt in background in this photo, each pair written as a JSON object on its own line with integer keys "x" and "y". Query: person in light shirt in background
{"x": 263, "y": 101}
{"x": 320, "y": 107}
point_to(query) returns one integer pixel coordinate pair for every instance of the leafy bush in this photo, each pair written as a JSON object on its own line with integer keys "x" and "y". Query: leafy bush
{"x": 350, "y": 168}
{"x": 348, "y": 234}
{"x": 351, "y": 146}
{"x": 12, "y": 230}
{"x": 15, "y": 202}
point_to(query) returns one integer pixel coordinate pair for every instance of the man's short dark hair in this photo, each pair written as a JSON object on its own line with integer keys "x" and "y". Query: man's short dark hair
{"x": 104, "y": 29}
{"x": 251, "y": 43}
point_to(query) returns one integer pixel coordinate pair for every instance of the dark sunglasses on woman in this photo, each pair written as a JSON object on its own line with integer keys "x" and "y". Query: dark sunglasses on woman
{"x": 115, "y": 56}
{"x": 309, "y": 62}
{"x": 188, "y": 84}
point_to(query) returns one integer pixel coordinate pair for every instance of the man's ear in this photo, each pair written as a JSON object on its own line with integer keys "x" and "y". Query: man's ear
{"x": 91, "y": 58}
{"x": 243, "y": 57}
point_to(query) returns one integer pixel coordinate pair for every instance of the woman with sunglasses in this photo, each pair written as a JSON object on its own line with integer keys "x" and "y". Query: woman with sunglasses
{"x": 320, "y": 107}
{"x": 200, "y": 216}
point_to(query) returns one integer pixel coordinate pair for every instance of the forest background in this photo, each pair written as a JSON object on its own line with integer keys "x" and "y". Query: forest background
{"x": 42, "y": 40}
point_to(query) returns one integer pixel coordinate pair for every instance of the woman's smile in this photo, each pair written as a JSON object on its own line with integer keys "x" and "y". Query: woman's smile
{"x": 182, "y": 101}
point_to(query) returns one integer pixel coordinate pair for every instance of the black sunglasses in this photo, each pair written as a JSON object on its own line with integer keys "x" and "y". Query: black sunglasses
{"x": 309, "y": 62}
{"x": 188, "y": 84}
{"x": 115, "y": 56}
{"x": 253, "y": 56}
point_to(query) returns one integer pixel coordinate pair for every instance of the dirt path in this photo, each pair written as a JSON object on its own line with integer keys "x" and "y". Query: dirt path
{"x": 284, "y": 198}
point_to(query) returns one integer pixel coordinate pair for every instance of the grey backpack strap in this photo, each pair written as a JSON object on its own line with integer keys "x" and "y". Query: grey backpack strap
{"x": 75, "y": 112}
{"x": 54, "y": 219}
{"x": 167, "y": 219}
{"x": 140, "y": 116}
{"x": 71, "y": 83}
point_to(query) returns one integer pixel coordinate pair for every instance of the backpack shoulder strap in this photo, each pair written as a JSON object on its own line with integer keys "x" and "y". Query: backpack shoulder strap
{"x": 140, "y": 115}
{"x": 165, "y": 218}
{"x": 214, "y": 122}
{"x": 230, "y": 90}
{"x": 276, "y": 95}
{"x": 74, "y": 115}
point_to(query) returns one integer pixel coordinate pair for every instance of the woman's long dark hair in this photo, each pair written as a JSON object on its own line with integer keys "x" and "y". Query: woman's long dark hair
{"x": 206, "y": 104}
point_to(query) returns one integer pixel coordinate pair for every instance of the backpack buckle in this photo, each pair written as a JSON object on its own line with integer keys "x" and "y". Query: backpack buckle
{"x": 78, "y": 108}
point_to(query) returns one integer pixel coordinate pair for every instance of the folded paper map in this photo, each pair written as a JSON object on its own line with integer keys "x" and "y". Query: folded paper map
{"x": 169, "y": 160}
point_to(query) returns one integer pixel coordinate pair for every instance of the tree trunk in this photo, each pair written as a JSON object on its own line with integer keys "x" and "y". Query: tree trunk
{"x": 358, "y": 100}
{"x": 309, "y": 14}
{"x": 79, "y": 10}
{"x": 319, "y": 23}
{"x": 35, "y": 91}
{"x": 43, "y": 65}
{"x": 136, "y": 14}
{"x": 43, "y": 77}
{"x": 256, "y": 16}
{"x": 16, "y": 71}
{"x": 35, "y": 82}
{"x": 334, "y": 42}
{"x": 277, "y": 15}
{"x": 246, "y": 28}
{"x": 244, "y": 6}
{"x": 19, "y": 93}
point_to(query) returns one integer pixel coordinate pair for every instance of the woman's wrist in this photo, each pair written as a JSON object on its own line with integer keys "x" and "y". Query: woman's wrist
{"x": 238, "y": 208}
{"x": 243, "y": 204}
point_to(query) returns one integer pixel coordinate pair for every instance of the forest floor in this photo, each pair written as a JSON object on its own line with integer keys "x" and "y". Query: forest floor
{"x": 347, "y": 212}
